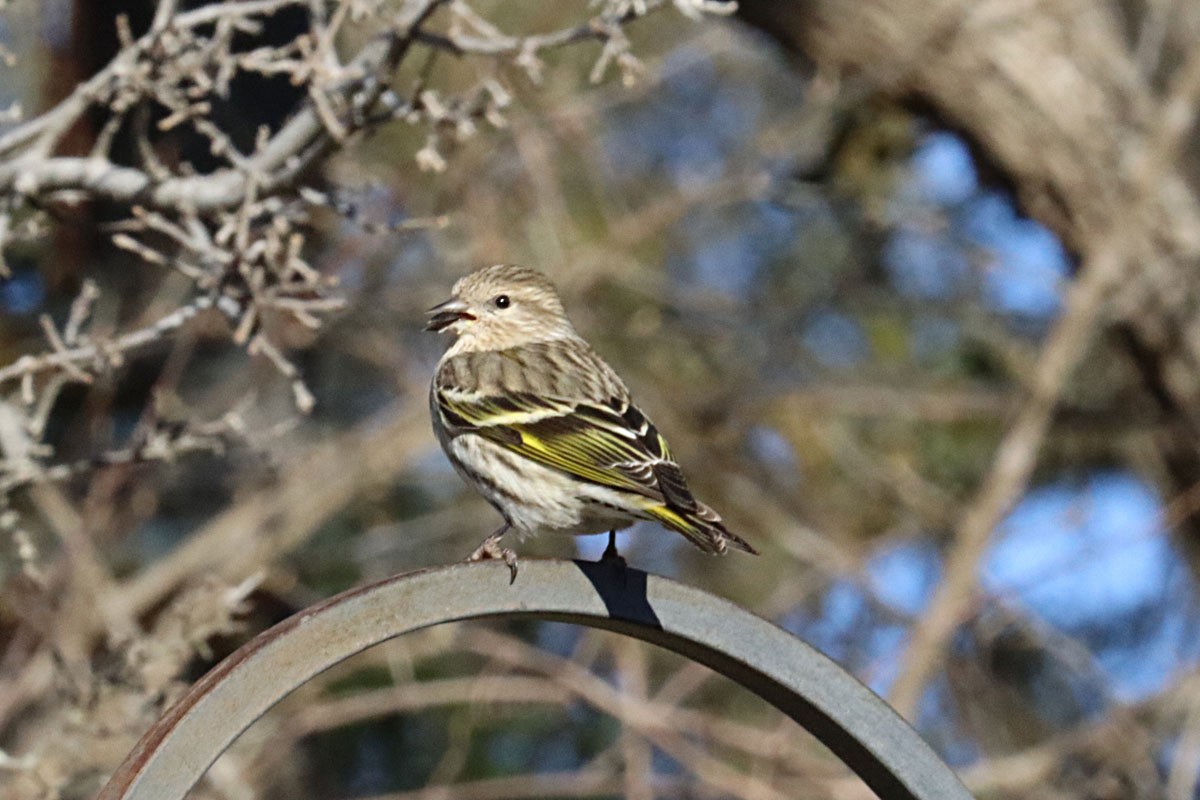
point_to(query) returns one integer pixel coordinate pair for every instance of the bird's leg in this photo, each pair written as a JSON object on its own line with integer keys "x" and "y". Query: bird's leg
{"x": 610, "y": 552}
{"x": 490, "y": 548}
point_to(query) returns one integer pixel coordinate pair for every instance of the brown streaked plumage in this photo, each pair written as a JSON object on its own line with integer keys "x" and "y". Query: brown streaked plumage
{"x": 543, "y": 428}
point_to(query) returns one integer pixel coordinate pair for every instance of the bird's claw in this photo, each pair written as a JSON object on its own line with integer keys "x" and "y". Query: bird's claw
{"x": 490, "y": 549}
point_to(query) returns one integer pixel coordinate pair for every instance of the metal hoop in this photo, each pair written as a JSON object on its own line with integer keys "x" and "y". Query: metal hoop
{"x": 801, "y": 682}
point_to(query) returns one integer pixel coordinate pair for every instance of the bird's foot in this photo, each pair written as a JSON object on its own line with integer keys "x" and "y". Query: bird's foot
{"x": 491, "y": 548}
{"x": 610, "y": 554}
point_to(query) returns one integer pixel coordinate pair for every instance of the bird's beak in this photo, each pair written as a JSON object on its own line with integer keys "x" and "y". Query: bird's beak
{"x": 445, "y": 314}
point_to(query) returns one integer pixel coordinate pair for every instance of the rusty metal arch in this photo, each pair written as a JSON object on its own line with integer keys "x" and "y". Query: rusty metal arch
{"x": 811, "y": 689}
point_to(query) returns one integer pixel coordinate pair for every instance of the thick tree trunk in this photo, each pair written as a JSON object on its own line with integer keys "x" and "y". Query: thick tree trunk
{"x": 1050, "y": 92}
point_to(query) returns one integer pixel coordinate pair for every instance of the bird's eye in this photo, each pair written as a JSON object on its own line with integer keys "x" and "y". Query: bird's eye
{"x": 502, "y": 301}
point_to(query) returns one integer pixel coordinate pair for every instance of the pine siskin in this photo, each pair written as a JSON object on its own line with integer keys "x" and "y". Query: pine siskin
{"x": 536, "y": 422}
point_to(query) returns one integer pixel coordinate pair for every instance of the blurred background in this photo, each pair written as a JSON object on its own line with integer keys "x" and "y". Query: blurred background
{"x": 818, "y": 278}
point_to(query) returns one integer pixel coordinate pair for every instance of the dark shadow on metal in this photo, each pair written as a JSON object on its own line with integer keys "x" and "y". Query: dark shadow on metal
{"x": 855, "y": 724}
{"x": 622, "y": 590}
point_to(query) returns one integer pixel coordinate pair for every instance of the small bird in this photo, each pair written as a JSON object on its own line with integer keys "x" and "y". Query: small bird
{"x": 544, "y": 429}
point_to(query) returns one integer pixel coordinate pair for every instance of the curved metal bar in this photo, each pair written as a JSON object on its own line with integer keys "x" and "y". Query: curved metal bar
{"x": 855, "y": 724}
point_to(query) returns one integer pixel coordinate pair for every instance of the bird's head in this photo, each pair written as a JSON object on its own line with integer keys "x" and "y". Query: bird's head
{"x": 499, "y": 307}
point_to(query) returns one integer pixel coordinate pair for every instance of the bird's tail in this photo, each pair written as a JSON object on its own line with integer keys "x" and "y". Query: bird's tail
{"x": 702, "y": 526}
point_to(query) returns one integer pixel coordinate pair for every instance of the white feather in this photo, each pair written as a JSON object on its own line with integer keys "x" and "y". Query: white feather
{"x": 535, "y": 499}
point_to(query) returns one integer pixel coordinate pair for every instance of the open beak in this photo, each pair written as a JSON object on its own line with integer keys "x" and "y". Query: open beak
{"x": 445, "y": 314}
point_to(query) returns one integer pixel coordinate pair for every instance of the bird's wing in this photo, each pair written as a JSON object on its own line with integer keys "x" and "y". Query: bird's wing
{"x": 609, "y": 443}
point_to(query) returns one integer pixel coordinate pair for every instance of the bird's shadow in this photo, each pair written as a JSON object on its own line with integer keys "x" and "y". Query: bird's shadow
{"x": 622, "y": 589}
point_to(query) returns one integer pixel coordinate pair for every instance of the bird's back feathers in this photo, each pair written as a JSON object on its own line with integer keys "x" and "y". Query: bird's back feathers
{"x": 563, "y": 368}
{"x": 560, "y": 405}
